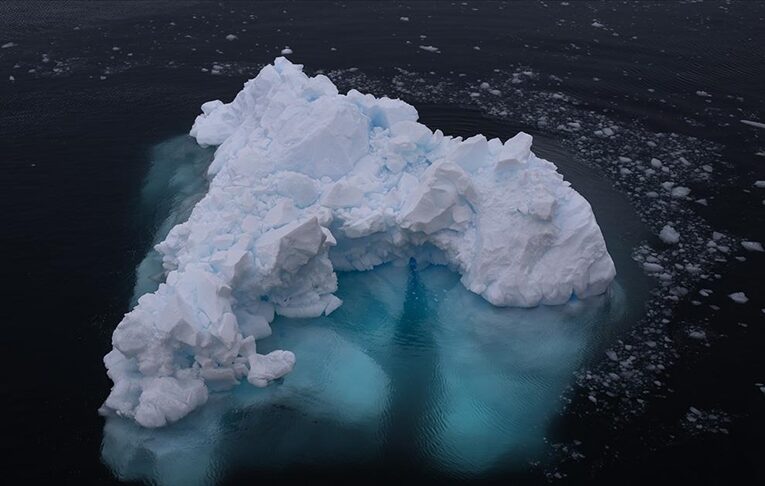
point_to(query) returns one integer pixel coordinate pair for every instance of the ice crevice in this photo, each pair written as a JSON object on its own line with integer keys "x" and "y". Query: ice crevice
{"x": 306, "y": 182}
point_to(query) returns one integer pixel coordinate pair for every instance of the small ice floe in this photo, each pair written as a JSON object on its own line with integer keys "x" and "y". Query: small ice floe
{"x": 759, "y": 184}
{"x": 697, "y": 334}
{"x": 752, "y": 245}
{"x": 703, "y": 94}
{"x": 404, "y": 19}
{"x": 286, "y": 51}
{"x": 652, "y": 267}
{"x": 11, "y": 79}
{"x": 739, "y": 297}
{"x": 8, "y": 44}
{"x": 597, "y": 24}
{"x": 231, "y": 37}
{"x": 751, "y": 123}
{"x": 680, "y": 191}
{"x": 669, "y": 235}
{"x": 604, "y": 132}
{"x": 430, "y": 49}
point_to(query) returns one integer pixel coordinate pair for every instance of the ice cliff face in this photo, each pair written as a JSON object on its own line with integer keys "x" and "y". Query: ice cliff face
{"x": 307, "y": 181}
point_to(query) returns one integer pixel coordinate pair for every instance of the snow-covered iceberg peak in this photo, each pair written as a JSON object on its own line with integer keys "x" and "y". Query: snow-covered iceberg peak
{"x": 307, "y": 181}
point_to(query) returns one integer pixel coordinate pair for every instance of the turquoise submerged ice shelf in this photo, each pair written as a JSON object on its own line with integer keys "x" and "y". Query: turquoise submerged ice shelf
{"x": 413, "y": 367}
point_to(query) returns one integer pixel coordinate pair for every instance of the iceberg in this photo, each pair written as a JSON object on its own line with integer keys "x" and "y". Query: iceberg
{"x": 306, "y": 182}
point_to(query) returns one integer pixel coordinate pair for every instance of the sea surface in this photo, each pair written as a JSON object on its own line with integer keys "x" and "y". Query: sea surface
{"x": 661, "y": 379}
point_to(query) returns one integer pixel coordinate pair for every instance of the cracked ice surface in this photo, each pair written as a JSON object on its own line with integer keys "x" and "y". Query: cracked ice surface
{"x": 306, "y": 181}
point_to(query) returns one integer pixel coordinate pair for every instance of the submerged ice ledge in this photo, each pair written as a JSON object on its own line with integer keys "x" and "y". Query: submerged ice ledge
{"x": 307, "y": 181}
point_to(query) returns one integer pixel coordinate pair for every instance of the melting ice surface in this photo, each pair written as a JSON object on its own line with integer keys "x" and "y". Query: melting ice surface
{"x": 416, "y": 364}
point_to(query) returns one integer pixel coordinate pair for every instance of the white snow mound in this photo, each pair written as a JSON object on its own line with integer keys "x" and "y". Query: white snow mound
{"x": 307, "y": 181}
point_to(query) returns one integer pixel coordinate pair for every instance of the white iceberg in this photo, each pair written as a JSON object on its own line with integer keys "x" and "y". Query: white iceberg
{"x": 307, "y": 181}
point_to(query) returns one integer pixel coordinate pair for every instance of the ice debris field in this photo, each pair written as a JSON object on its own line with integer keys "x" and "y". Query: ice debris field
{"x": 306, "y": 182}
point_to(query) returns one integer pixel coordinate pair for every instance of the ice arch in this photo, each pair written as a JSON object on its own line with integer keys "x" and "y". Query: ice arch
{"x": 306, "y": 181}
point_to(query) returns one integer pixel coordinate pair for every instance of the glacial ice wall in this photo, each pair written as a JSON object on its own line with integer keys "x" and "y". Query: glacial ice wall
{"x": 307, "y": 181}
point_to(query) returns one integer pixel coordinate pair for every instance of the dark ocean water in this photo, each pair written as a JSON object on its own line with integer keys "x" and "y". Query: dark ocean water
{"x": 97, "y": 87}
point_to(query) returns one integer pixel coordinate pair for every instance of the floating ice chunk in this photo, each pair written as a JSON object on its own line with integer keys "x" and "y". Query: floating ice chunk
{"x": 286, "y": 51}
{"x": 739, "y": 297}
{"x": 697, "y": 334}
{"x": 430, "y": 48}
{"x": 759, "y": 184}
{"x": 680, "y": 191}
{"x": 8, "y": 45}
{"x": 652, "y": 267}
{"x": 306, "y": 181}
{"x": 669, "y": 235}
{"x": 231, "y": 37}
{"x": 266, "y": 368}
{"x": 751, "y": 123}
{"x": 752, "y": 245}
